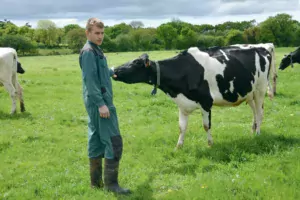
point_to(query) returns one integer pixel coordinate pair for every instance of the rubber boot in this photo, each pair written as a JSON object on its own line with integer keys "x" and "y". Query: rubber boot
{"x": 111, "y": 170}
{"x": 96, "y": 172}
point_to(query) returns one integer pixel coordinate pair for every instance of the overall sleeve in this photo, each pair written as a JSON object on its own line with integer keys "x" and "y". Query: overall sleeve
{"x": 111, "y": 71}
{"x": 91, "y": 79}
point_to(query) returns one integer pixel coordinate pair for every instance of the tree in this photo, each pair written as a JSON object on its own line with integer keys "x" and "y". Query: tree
{"x": 118, "y": 29}
{"x": 234, "y": 37}
{"x": 168, "y": 34}
{"x": 251, "y": 35}
{"x": 20, "y": 43}
{"x": 136, "y": 24}
{"x": 76, "y": 39}
{"x": 69, "y": 27}
{"x": 278, "y": 29}
{"x": 46, "y": 32}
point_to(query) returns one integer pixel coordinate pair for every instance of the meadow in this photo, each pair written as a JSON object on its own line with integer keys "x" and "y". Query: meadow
{"x": 43, "y": 152}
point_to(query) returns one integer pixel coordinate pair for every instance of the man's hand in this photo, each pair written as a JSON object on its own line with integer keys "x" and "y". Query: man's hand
{"x": 104, "y": 112}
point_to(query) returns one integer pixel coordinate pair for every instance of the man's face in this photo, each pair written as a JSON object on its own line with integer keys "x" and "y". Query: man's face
{"x": 96, "y": 35}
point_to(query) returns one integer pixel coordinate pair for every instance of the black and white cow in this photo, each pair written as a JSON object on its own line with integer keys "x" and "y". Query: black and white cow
{"x": 195, "y": 79}
{"x": 293, "y": 57}
{"x": 9, "y": 67}
{"x": 271, "y": 48}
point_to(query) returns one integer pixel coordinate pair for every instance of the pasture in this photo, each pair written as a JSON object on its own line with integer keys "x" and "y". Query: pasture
{"x": 43, "y": 152}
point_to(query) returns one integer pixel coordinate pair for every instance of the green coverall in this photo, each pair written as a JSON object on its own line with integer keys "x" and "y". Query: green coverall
{"x": 104, "y": 137}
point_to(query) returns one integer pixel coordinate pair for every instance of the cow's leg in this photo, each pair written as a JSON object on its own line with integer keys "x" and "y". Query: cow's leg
{"x": 20, "y": 95}
{"x": 12, "y": 92}
{"x": 183, "y": 122}
{"x": 206, "y": 117}
{"x": 252, "y": 106}
{"x": 259, "y": 104}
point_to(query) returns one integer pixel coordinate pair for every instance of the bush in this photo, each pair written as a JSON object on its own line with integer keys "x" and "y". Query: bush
{"x": 234, "y": 37}
{"x": 20, "y": 43}
{"x": 205, "y": 41}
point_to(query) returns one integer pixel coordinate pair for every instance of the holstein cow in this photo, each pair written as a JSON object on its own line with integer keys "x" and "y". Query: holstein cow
{"x": 271, "y": 48}
{"x": 293, "y": 57}
{"x": 196, "y": 80}
{"x": 9, "y": 66}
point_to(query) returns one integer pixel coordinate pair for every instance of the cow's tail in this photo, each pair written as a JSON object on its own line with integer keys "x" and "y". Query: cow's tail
{"x": 272, "y": 75}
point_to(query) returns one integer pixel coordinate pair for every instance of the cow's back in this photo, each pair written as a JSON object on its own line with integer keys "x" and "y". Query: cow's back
{"x": 8, "y": 65}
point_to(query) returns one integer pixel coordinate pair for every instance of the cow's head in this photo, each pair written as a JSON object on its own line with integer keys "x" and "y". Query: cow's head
{"x": 293, "y": 57}
{"x": 20, "y": 70}
{"x": 135, "y": 71}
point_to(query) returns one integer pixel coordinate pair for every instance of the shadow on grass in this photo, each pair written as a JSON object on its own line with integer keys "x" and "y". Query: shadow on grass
{"x": 142, "y": 191}
{"x": 241, "y": 150}
{"x": 232, "y": 152}
{"x": 16, "y": 116}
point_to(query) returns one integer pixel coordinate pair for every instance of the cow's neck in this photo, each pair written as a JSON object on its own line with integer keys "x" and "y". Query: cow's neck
{"x": 171, "y": 76}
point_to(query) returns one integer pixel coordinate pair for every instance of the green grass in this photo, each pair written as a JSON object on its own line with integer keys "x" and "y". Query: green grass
{"x": 43, "y": 152}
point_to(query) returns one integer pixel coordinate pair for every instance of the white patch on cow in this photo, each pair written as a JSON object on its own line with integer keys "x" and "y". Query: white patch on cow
{"x": 186, "y": 105}
{"x": 212, "y": 68}
{"x": 224, "y": 54}
{"x": 231, "y": 86}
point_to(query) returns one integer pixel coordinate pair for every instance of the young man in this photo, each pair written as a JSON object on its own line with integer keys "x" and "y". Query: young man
{"x": 104, "y": 139}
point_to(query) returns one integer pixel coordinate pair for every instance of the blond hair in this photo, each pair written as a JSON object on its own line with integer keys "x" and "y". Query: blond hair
{"x": 93, "y": 22}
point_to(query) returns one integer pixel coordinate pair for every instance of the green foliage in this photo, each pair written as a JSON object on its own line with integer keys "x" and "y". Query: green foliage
{"x": 234, "y": 37}
{"x": 124, "y": 42}
{"x": 70, "y": 27}
{"x": 168, "y": 34}
{"x": 278, "y": 29}
{"x": 21, "y": 43}
{"x": 205, "y": 41}
{"x": 281, "y": 29}
{"x": 76, "y": 38}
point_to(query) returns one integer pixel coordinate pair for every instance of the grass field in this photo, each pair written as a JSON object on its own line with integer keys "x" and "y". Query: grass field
{"x": 43, "y": 153}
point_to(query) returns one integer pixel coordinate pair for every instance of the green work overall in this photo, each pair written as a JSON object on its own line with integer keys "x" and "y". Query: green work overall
{"x": 104, "y": 137}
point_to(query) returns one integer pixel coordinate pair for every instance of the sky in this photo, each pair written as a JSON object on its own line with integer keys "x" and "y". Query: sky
{"x": 151, "y": 12}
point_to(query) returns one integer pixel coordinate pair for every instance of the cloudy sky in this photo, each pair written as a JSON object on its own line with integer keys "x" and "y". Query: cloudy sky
{"x": 151, "y": 12}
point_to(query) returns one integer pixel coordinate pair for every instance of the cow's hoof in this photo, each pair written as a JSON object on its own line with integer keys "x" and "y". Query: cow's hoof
{"x": 179, "y": 146}
{"x": 210, "y": 143}
{"x": 22, "y": 106}
{"x": 13, "y": 112}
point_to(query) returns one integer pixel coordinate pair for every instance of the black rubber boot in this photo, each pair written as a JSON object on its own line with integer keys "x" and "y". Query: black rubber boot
{"x": 96, "y": 172}
{"x": 111, "y": 169}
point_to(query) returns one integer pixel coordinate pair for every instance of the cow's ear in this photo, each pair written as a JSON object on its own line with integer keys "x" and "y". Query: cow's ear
{"x": 146, "y": 60}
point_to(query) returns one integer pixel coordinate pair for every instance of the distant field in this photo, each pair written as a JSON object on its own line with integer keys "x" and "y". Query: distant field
{"x": 43, "y": 153}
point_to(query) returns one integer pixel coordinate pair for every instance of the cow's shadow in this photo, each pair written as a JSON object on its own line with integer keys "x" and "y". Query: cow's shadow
{"x": 235, "y": 151}
{"x": 16, "y": 116}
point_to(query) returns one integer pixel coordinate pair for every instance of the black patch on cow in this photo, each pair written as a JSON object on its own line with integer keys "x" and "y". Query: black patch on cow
{"x": 262, "y": 63}
{"x": 240, "y": 70}
{"x": 185, "y": 75}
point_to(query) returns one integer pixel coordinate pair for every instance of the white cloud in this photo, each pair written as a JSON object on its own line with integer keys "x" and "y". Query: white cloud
{"x": 152, "y": 13}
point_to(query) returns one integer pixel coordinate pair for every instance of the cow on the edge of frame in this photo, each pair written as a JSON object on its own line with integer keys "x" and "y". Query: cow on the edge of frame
{"x": 196, "y": 80}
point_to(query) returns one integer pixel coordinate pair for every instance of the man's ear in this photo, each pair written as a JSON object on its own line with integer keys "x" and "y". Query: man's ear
{"x": 146, "y": 60}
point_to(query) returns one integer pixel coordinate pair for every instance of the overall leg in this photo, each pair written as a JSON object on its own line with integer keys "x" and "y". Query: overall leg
{"x": 95, "y": 150}
{"x": 110, "y": 136}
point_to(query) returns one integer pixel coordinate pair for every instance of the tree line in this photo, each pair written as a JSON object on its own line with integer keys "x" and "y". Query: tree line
{"x": 281, "y": 29}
